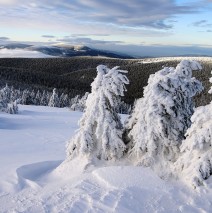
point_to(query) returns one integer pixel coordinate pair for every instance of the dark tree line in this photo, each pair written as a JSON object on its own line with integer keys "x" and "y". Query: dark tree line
{"x": 10, "y": 97}
{"x": 73, "y": 76}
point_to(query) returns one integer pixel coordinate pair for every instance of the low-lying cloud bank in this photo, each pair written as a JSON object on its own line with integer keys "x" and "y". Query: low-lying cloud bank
{"x": 19, "y": 53}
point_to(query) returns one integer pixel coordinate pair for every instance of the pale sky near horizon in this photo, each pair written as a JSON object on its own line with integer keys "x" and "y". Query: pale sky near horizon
{"x": 139, "y": 27}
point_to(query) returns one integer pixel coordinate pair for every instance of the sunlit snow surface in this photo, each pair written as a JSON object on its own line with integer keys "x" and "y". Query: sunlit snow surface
{"x": 167, "y": 59}
{"x": 32, "y": 178}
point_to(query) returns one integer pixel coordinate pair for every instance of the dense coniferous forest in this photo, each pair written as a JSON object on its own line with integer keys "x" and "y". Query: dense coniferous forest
{"x": 73, "y": 76}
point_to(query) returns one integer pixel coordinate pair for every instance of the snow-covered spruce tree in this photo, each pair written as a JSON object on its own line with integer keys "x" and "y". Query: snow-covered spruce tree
{"x": 38, "y": 96}
{"x": 64, "y": 100}
{"x": 13, "y": 94}
{"x": 6, "y": 91}
{"x": 31, "y": 98}
{"x": 74, "y": 100}
{"x": 160, "y": 119}
{"x": 79, "y": 104}
{"x": 12, "y": 108}
{"x": 6, "y": 103}
{"x": 100, "y": 133}
{"x": 195, "y": 163}
{"x": 54, "y": 99}
{"x": 4, "y": 98}
{"x": 123, "y": 108}
{"x": 3, "y": 102}
{"x": 44, "y": 101}
{"x": 25, "y": 97}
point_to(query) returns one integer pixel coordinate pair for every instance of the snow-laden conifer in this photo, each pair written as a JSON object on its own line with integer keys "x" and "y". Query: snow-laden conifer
{"x": 74, "y": 100}
{"x": 12, "y": 108}
{"x": 100, "y": 133}
{"x": 64, "y": 100}
{"x": 6, "y": 100}
{"x": 6, "y": 91}
{"x": 3, "y": 102}
{"x": 25, "y": 96}
{"x": 195, "y": 163}
{"x": 38, "y": 96}
{"x": 31, "y": 98}
{"x": 79, "y": 104}
{"x": 122, "y": 107}
{"x": 54, "y": 99}
{"x": 44, "y": 99}
{"x": 160, "y": 119}
{"x": 15, "y": 94}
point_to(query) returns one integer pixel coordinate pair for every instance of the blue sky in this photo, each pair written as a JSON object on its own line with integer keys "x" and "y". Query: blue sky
{"x": 137, "y": 27}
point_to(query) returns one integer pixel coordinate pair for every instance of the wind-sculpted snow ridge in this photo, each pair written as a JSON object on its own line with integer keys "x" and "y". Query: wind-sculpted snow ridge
{"x": 108, "y": 189}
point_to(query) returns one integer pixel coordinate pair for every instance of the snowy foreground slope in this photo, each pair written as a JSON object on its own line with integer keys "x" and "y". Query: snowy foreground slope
{"x": 32, "y": 146}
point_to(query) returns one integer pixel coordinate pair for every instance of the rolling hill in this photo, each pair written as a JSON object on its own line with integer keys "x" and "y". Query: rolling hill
{"x": 61, "y": 50}
{"x": 74, "y": 75}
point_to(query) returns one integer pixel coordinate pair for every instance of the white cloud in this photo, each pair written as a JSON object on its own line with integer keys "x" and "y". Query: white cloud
{"x": 131, "y": 13}
{"x": 7, "y": 2}
{"x": 18, "y": 53}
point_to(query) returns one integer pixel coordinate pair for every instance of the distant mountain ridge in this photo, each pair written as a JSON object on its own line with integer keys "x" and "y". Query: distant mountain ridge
{"x": 61, "y": 50}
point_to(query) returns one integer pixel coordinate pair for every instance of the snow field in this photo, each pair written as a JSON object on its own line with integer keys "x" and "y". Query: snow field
{"x": 163, "y": 59}
{"x": 34, "y": 178}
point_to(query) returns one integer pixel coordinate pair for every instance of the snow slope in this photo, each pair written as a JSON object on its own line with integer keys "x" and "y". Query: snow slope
{"x": 33, "y": 180}
{"x": 164, "y": 59}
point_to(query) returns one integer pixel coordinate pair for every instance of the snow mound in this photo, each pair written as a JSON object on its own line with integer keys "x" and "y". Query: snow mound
{"x": 69, "y": 169}
{"x": 31, "y": 175}
{"x": 128, "y": 176}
